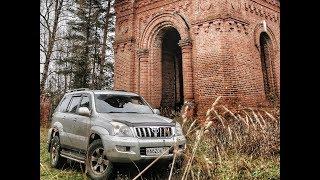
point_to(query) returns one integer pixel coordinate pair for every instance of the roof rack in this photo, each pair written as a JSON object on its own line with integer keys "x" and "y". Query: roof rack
{"x": 79, "y": 89}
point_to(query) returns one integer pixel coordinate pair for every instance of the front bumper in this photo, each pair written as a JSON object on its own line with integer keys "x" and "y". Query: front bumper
{"x": 136, "y": 147}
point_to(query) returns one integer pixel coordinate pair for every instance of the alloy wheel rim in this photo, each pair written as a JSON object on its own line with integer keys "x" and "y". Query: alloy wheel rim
{"x": 54, "y": 152}
{"x": 99, "y": 161}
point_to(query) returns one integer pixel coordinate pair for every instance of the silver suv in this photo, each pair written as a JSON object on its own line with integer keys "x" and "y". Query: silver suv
{"x": 101, "y": 127}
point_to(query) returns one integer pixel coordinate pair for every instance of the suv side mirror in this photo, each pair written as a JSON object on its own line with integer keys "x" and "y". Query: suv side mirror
{"x": 156, "y": 111}
{"x": 84, "y": 111}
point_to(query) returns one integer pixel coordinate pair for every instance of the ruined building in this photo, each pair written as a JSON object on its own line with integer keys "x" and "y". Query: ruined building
{"x": 176, "y": 51}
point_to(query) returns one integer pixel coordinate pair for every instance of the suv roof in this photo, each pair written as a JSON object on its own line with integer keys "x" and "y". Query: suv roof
{"x": 116, "y": 92}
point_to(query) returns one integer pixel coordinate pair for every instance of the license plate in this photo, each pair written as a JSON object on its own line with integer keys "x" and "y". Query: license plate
{"x": 156, "y": 151}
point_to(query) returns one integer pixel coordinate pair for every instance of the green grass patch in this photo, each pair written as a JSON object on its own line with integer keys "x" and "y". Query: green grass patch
{"x": 71, "y": 170}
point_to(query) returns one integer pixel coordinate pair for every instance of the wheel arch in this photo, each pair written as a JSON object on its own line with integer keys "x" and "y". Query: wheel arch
{"x": 97, "y": 132}
{"x": 55, "y": 130}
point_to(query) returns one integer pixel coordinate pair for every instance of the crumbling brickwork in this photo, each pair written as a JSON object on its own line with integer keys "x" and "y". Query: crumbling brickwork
{"x": 45, "y": 107}
{"x": 229, "y": 48}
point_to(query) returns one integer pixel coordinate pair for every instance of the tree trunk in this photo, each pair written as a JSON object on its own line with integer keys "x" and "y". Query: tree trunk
{"x": 65, "y": 75}
{"x": 52, "y": 36}
{"x": 87, "y": 51}
{"x": 104, "y": 45}
{"x": 65, "y": 82}
{"x": 94, "y": 75}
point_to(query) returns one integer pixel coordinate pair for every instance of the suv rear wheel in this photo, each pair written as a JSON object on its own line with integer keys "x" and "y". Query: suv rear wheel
{"x": 98, "y": 165}
{"x": 56, "y": 160}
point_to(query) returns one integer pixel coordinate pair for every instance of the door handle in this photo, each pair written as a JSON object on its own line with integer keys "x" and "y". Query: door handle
{"x": 75, "y": 119}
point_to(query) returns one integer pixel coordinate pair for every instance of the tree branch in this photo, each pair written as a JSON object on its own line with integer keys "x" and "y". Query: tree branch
{"x": 47, "y": 26}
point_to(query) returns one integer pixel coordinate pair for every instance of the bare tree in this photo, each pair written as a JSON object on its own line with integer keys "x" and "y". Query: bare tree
{"x": 56, "y": 51}
{"x": 50, "y": 28}
{"x": 104, "y": 41}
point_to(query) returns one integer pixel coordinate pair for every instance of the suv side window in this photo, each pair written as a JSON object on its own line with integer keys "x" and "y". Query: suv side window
{"x": 74, "y": 104}
{"x": 64, "y": 104}
{"x": 85, "y": 102}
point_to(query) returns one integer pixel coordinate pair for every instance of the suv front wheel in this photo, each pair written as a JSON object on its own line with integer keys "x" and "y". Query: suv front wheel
{"x": 98, "y": 165}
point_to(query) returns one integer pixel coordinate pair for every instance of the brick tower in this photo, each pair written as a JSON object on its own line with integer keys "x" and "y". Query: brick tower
{"x": 177, "y": 51}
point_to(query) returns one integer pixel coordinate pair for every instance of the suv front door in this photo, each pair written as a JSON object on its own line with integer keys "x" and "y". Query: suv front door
{"x": 69, "y": 124}
{"x": 82, "y": 124}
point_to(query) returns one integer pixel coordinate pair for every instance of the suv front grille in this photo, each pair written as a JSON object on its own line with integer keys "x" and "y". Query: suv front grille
{"x": 145, "y": 132}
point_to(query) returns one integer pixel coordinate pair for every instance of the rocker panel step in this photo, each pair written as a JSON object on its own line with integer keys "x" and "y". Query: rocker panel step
{"x": 76, "y": 156}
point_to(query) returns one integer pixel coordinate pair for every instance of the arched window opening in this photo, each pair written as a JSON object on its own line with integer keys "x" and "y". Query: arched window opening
{"x": 267, "y": 67}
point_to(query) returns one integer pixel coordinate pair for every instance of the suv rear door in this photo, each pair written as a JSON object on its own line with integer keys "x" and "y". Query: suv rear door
{"x": 60, "y": 115}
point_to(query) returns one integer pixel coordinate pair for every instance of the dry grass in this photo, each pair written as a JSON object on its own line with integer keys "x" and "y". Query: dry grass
{"x": 238, "y": 144}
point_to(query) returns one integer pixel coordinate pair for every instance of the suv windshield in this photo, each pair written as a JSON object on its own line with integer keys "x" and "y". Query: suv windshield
{"x": 106, "y": 103}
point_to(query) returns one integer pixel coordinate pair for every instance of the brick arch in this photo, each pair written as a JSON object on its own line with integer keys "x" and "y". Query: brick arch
{"x": 150, "y": 65}
{"x": 158, "y": 23}
{"x": 260, "y": 29}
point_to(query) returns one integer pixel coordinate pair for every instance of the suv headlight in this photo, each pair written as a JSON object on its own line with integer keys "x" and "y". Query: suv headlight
{"x": 121, "y": 130}
{"x": 178, "y": 129}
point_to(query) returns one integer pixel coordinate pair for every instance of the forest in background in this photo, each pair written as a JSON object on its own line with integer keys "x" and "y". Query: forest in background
{"x": 76, "y": 38}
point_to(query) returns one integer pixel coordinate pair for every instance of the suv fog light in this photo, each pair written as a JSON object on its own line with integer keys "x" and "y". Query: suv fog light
{"x": 123, "y": 148}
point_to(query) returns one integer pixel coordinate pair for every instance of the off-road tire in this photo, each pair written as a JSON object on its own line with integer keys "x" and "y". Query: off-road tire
{"x": 56, "y": 160}
{"x": 96, "y": 161}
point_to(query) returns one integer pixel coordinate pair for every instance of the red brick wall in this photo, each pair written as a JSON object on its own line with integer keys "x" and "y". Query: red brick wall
{"x": 168, "y": 76}
{"x": 45, "y": 107}
{"x": 124, "y": 67}
{"x": 225, "y": 47}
